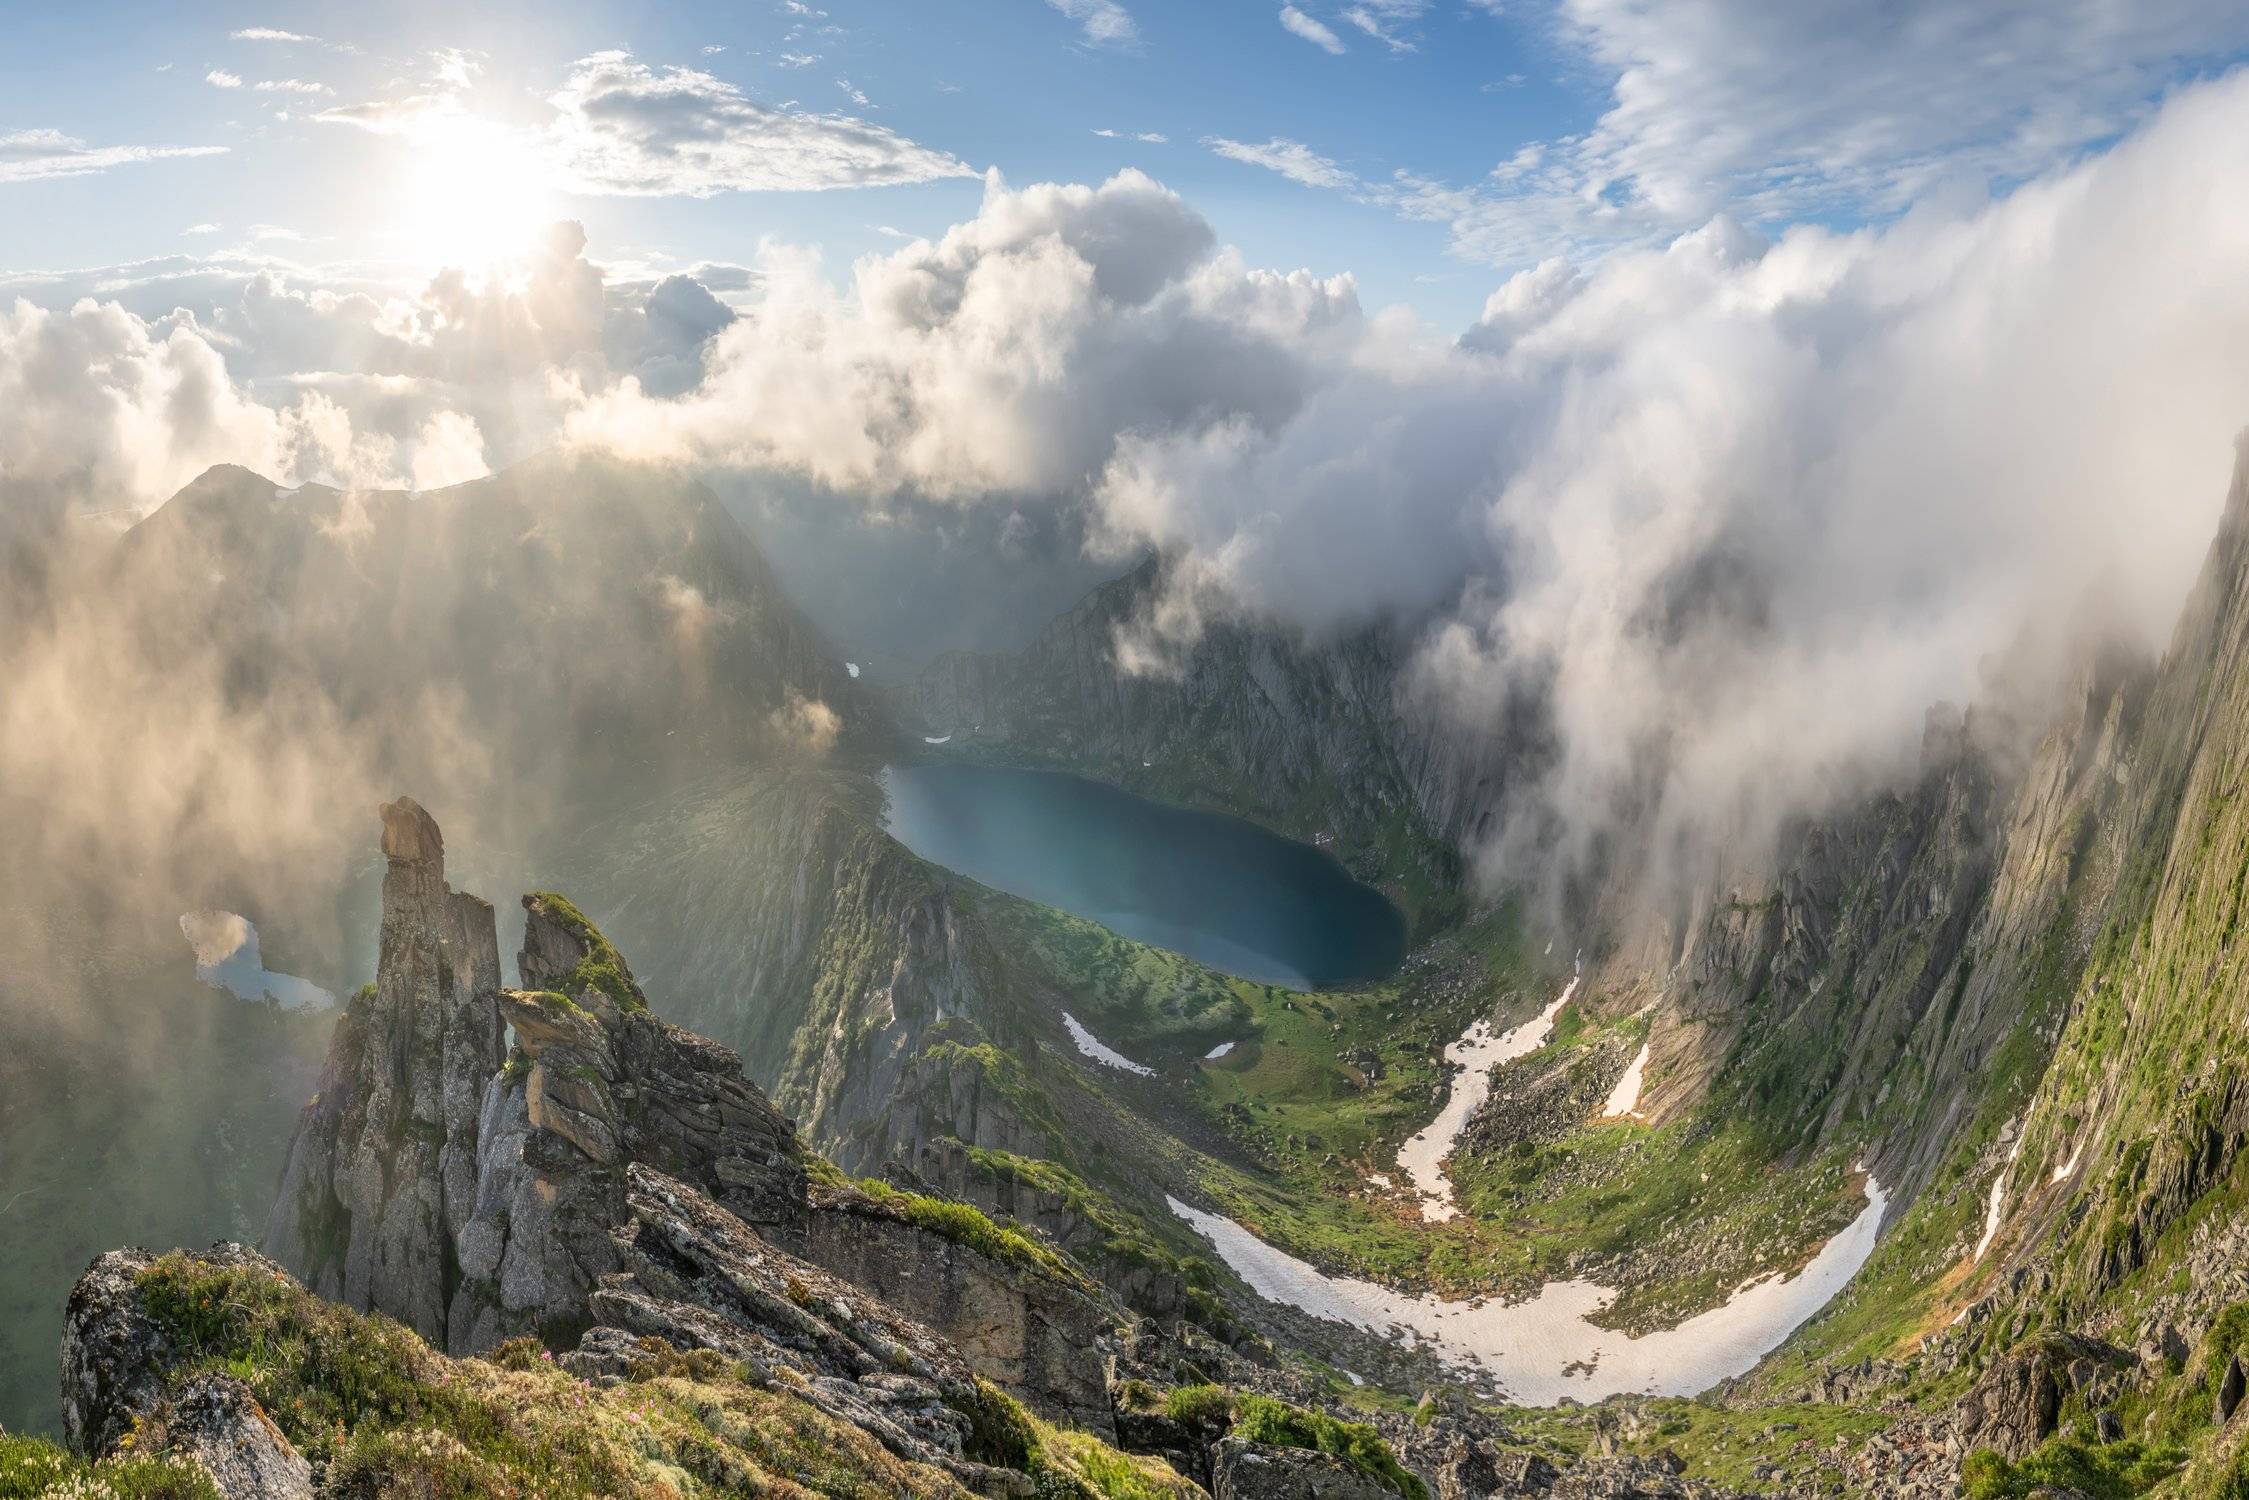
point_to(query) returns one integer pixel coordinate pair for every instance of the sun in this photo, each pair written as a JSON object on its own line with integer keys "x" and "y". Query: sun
{"x": 478, "y": 193}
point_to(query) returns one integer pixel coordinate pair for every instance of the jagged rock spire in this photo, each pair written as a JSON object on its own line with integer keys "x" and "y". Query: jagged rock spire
{"x": 382, "y": 1174}
{"x": 474, "y": 1201}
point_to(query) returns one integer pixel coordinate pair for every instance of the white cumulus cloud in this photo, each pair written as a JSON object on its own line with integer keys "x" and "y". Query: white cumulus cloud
{"x": 1779, "y": 114}
{"x": 1297, "y": 23}
{"x": 1292, "y": 159}
{"x": 627, "y": 128}
{"x": 1103, "y": 20}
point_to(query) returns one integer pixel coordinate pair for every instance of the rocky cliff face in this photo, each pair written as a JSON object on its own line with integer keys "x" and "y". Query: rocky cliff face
{"x": 477, "y": 1198}
{"x": 867, "y": 990}
{"x": 1850, "y": 987}
{"x": 1321, "y": 740}
{"x": 1858, "y": 992}
{"x": 383, "y": 1174}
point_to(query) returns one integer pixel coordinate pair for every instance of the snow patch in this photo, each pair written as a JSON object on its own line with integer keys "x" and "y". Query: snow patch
{"x": 852, "y": 667}
{"x": 1218, "y": 1051}
{"x": 2068, "y": 1169}
{"x": 1093, "y": 1047}
{"x": 937, "y": 739}
{"x": 1992, "y": 1215}
{"x": 1624, "y": 1099}
{"x": 1479, "y": 1051}
{"x": 1545, "y": 1348}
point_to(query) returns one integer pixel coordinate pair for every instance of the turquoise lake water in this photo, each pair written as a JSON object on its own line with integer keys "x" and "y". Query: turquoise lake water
{"x": 1224, "y": 892}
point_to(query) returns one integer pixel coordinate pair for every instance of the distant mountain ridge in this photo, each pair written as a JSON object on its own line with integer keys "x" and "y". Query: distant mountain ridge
{"x": 569, "y": 599}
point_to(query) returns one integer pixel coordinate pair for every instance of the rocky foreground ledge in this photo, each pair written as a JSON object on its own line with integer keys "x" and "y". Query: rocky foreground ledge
{"x": 221, "y": 1370}
{"x": 540, "y": 1242}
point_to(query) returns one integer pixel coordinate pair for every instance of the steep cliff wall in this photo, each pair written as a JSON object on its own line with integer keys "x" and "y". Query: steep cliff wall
{"x": 383, "y": 1173}
{"x": 1321, "y": 740}
{"x": 476, "y": 1202}
{"x": 1850, "y": 987}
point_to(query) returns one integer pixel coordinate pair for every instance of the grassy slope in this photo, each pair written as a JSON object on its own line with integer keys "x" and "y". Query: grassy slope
{"x": 1287, "y": 1131}
{"x": 390, "y": 1416}
{"x": 2129, "y": 1057}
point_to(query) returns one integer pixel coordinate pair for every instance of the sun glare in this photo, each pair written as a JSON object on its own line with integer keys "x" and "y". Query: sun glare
{"x": 478, "y": 194}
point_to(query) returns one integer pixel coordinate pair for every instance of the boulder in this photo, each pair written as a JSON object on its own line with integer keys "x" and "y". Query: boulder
{"x": 116, "y": 1368}
{"x": 2014, "y": 1407}
{"x": 214, "y": 1420}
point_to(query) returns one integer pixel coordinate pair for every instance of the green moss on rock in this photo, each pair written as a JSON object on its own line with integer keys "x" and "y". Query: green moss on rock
{"x": 603, "y": 968}
{"x": 968, "y": 1225}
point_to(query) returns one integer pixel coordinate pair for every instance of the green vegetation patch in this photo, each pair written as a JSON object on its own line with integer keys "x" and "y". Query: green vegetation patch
{"x": 34, "y": 1469}
{"x": 1258, "y": 1418}
{"x": 2105, "y": 1471}
{"x": 966, "y": 1224}
{"x": 1200, "y": 1405}
{"x": 1149, "y": 1001}
{"x": 1067, "y": 1465}
{"x": 1127, "y": 1241}
{"x": 554, "y": 1000}
{"x": 365, "y": 1396}
{"x": 1262, "y": 1419}
{"x": 1727, "y": 1445}
{"x": 603, "y": 968}
{"x": 1317, "y": 1101}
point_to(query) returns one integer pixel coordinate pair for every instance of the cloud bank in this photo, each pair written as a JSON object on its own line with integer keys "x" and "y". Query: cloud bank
{"x": 120, "y": 385}
{"x": 1735, "y": 512}
{"x": 1732, "y": 512}
{"x": 1780, "y": 114}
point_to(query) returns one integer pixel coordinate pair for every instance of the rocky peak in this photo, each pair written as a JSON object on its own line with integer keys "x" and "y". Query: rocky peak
{"x": 411, "y": 836}
{"x": 476, "y": 1197}
{"x": 382, "y": 1173}
{"x": 564, "y": 952}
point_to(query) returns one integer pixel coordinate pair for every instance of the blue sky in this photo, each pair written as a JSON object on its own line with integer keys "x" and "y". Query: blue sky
{"x": 1011, "y": 84}
{"x": 1656, "y": 116}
